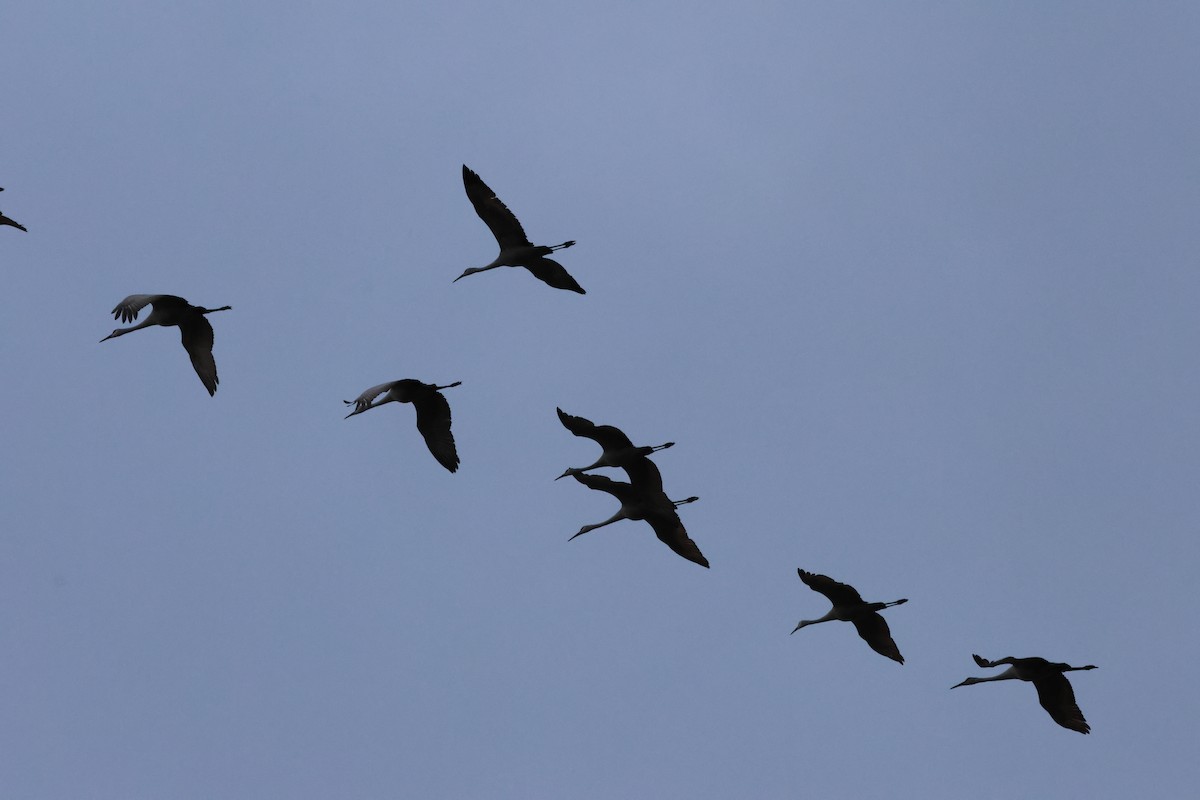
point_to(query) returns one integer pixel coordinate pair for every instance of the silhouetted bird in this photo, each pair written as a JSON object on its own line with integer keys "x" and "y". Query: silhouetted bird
{"x": 848, "y": 606}
{"x": 618, "y": 449}
{"x": 515, "y": 248}
{"x": 168, "y": 310}
{"x": 641, "y": 501}
{"x": 8, "y": 221}
{"x": 433, "y": 413}
{"x": 1054, "y": 690}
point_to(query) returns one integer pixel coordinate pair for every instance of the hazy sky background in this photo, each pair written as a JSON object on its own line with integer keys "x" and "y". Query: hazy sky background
{"x": 913, "y": 286}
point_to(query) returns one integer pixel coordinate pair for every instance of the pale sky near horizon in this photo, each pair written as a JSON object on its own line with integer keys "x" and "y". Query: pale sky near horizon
{"x": 912, "y": 286}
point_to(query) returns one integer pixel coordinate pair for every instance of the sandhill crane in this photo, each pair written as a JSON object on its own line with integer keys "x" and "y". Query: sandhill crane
{"x": 1054, "y": 690}
{"x": 194, "y": 329}
{"x": 433, "y": 413}
{"x": 618, "y": 449}
{"x": 652, "y": 506}
{"x": 8, "y": 221}
{"x": 515, "y": 248}
{"x": 848, "y": 606}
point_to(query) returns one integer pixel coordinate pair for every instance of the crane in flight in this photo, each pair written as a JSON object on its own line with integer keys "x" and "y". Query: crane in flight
{"x": 618, "y": 449}
{"x": 1054, "y": 690}
{"x": 9, "y": 221}
{"x": 433, "y": 413}
{"x": 848, "y": 606}
{"x": 515, "y": 248}
{"x": 169, "y": 310}
{"x": 644, "y": 499}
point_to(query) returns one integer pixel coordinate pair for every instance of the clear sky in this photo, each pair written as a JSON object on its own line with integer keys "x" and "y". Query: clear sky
{"x": 913, "y": 287}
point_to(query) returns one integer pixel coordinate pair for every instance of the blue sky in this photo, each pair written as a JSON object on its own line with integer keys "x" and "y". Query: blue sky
{"x": 912, "y": 287}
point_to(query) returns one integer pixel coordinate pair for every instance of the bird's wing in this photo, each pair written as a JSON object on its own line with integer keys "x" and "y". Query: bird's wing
{"x": 361, "y": 402}
{"x": 644, "y": 475}
{"x": 551, "y": 272}
{"x": 197, "y": 336}
{"x": 607, "y": 436}
{"x": 10, "y": 221}
{"x": 840, "y": 594}
{"x": 670, "y": 531}
{"x": 433, "y": 421}
{"x": 500, "y": 221}
{"x": 1058, "y": 698}
{"x": 873, "y": 628}
{"x": 1012, "y": 662}
{"x": 127, "y": 310}
{"x": 618, "y": 489}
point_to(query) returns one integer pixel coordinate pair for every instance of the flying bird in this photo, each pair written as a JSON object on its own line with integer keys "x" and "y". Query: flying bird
{"x": 652, "y": 506}
{"x": 848, "y": 606}
{"x": 515, "y": 248}
{"x": 433, "y": 413}
{"x": 169, "y": 310}
{"x": 1054, "y": 690}
{"x": 618, "y": 449}
{"x": 8, "y": 221}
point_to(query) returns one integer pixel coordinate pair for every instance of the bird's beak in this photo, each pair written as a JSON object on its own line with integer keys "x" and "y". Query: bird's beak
{"x": 565, "y": 474}
{"x": 798, "y": 627}
{"x": 955, "y": 686}
{"x": 111, "y": 335}
{"x": 355, "y": 411}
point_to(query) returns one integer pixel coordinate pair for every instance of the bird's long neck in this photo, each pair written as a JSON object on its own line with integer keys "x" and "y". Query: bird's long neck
{"x": 1008, "y": 674}
{"x": 146, "y": 323}
{"x": 620, "y": 515}
{"x": 806, "y": 622}
{"x": 473, "y": 270}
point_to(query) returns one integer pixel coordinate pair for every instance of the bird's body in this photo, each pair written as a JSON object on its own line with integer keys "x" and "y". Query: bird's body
{"x": 9, "y": 221}
{"x": 642, "y": 501}
{"x": 433, "y": 413}
{"x": 515, "y": 247}
{"x": 848, "y": 606}
{"x": 1054, "y": 690}
{"x": 618, "y": 449}
{"x": 169, "y": 310}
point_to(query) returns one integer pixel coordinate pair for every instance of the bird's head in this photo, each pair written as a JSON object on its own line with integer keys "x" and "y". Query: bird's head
{"x": 113, "y": 335}
{"x": 358, "y": 408}
{"x": 969, "y": 682}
